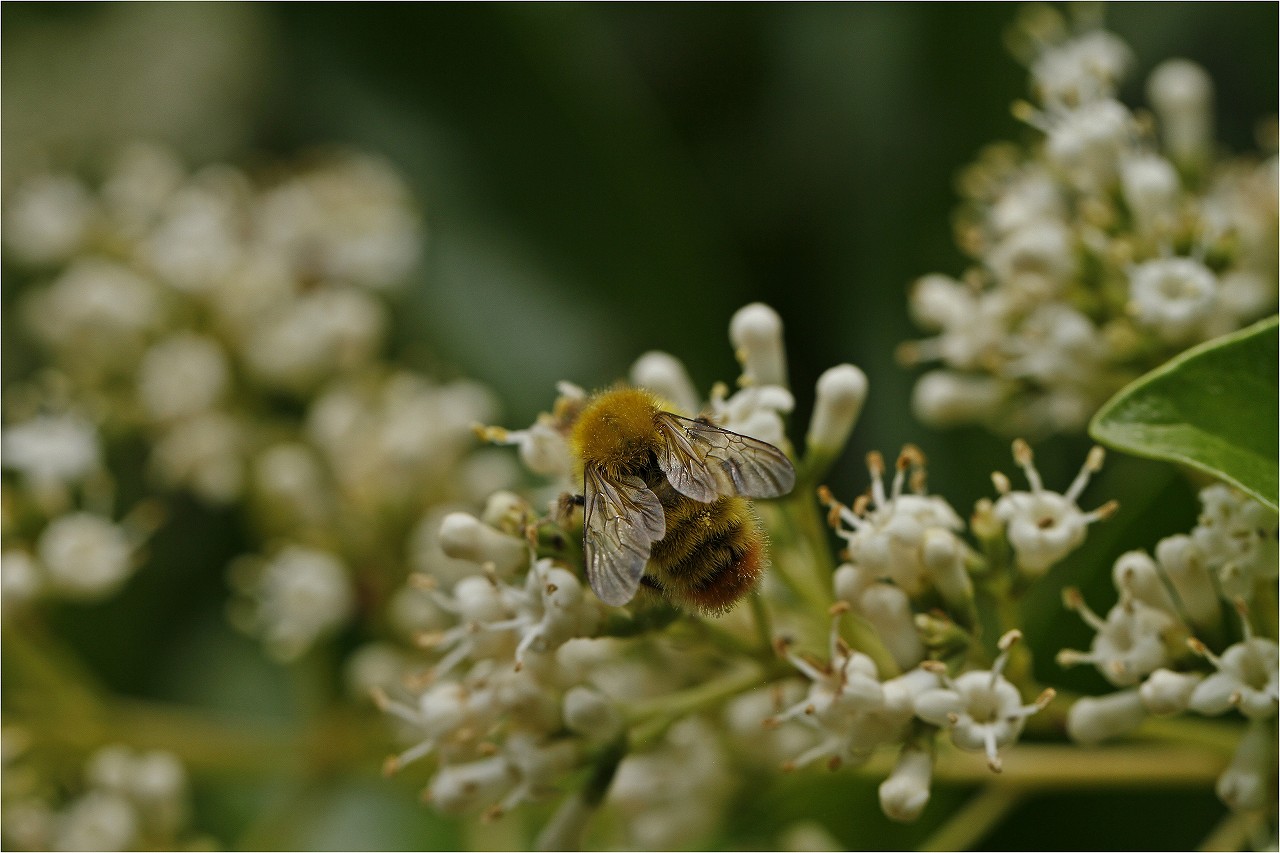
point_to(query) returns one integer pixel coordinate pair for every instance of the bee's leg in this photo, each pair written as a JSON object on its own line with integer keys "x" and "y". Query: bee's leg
{"x": 565, "y": 506}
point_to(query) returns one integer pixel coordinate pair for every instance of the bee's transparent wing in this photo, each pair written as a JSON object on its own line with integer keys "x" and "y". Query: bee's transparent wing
{"x": 703, "y": 461}
{"x": 622, "y": 520}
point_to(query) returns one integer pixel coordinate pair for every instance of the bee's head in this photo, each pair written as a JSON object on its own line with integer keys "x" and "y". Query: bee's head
{"x": 616, "y": 430}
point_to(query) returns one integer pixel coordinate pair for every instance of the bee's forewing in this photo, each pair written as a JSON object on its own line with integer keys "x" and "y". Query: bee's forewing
{"x": 703, "y": 461}
{"x": 622, "y": 520}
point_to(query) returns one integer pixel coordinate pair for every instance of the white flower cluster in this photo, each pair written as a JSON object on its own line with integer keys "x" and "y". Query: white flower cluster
{"x": 908, "y": 577}
{"x": 237, "y": 327}
{"x": 1152, "y": 643}
{"x": 525, "y": 683}
{"x": 1115, "y": 241}
{"x": 129, "y": 801}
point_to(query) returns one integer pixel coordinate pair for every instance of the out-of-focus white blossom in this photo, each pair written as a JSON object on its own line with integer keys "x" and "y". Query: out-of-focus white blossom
{"x": 85, "y": 555}
{"x": 1075, "y": 287}
{"x": 51, "y": 451}
{"x": 181, "y": 376}
{"x": 666, "y": 376}
{"x": 292, "y": 599}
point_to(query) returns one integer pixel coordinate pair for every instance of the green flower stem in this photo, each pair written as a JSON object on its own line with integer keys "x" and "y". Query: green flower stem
{"x": 763, "y": 623}
{"x": 564, "y": 830}
{"x": 49, "y": 669}
{"x": 649, "y": 718}
{"x": 1045, "y": 767}
{"x": 1237, "y": 831}
{"x": 970, "y": 824}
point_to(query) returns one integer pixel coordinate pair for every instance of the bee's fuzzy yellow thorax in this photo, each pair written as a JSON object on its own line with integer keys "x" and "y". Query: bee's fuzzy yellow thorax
{"x": 616, "y": 430}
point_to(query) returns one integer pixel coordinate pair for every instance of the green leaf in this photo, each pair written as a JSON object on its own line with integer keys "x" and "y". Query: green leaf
{"x": 1213, "y": 407}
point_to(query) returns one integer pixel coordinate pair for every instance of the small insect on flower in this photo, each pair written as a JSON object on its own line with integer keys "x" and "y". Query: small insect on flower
{"x": 668, "y": 492}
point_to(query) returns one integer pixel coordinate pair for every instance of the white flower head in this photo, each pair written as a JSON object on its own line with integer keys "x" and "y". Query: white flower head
{"x": 846, "y": 704}
{"x": 887, "y": 533}
{"x": 85, "y": 555}
{"x": 981, "y": 708}
{"x": 1133, "y": 641}
{"x": 1237, "y": 538}
{"x": 1044, "y": 526}
{"x": 1087, "y": 143}
{"x": 51, "y": 451}
{"x": 296, "y": 597}
{"x": 755, "y": 410}
{"x": 1175, "y": 297}
{"x": 1082, "y": 68}
{"x": 1247, "y": 678}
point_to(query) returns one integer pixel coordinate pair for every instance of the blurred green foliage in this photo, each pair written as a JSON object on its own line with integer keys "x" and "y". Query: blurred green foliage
{"x": 604, "y": 179}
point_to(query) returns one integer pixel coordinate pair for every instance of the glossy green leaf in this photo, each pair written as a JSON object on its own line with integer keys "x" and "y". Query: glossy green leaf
{"x": 1213, "y": 408}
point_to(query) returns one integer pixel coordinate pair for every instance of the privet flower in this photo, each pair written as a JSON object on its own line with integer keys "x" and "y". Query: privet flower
{"x": 1083, "y": 276}
{"x": 1164, "y": 603}
{"x": 1044, "y": 526}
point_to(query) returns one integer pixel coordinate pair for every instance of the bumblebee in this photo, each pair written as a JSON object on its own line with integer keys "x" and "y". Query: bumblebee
{"x": 664, "y": 502}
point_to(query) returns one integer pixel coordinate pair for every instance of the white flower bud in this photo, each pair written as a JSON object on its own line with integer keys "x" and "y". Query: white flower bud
{"x": 1167, "y": 692}
{"x": 464, "y": 537}
{"x": 589, "y": 712}
{"x": 478, "y": 600}
{"x": 1139, "y": 576}
{"x": 1092, "y": 720}
{"x": 850, "y": 582}
{"x": 1244, "y": 786}
{"x": 375, "y": 665}
{"x": 1151, "y": 189}
{"x": 944, "y": 558}
{"x": 905, "y": 793}
{"x": 756, "y": 333}
{"x": 665, "y": 375}
{"x": 888, "y": 609}
{"x": 1181, "y": 93}
{"x": 944, "y": 397}
{"x": 900, "y": 693}
{"x": 1185, "y": 567}
{"x": 85, "y": 555}
{"x": 841, "y": 391}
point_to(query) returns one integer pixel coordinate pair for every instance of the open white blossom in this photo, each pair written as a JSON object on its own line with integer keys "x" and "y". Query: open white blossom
{"x": 1044, "y": 526}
